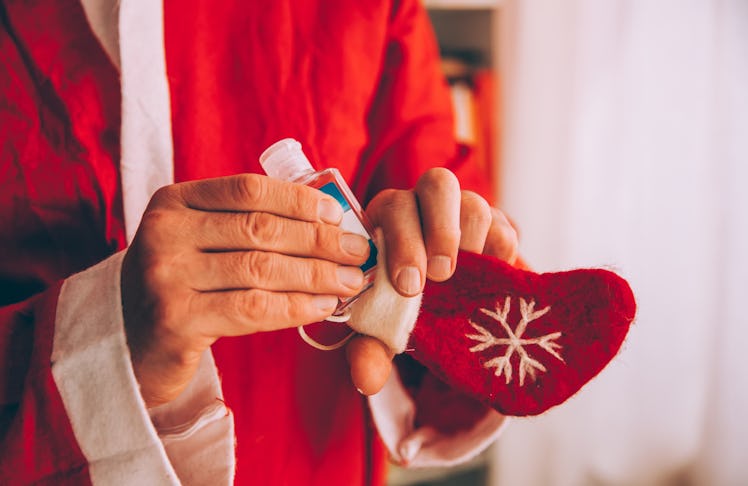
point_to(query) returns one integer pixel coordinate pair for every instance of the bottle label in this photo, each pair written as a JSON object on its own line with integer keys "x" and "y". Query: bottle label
{"x": 351, "y": 223}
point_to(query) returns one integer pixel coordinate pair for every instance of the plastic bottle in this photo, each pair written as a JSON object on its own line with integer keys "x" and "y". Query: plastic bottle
{"x": 286, "y": 160}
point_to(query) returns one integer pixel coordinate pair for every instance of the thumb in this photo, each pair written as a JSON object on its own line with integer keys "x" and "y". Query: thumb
{"x": 371, "y": 363}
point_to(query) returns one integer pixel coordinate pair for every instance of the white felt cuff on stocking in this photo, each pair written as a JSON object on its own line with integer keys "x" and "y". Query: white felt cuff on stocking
{"x": 382, "y": 312}
{"x": 413, "y": 445}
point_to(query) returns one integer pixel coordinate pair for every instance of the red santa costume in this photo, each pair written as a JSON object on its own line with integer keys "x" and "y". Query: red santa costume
{"x": 98, "y": 108}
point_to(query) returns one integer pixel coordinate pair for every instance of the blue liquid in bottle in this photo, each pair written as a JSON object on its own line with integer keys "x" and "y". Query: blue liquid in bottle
{"x": 285, "y": 160}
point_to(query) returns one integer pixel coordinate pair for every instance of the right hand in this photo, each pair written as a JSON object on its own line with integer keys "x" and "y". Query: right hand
{"x": 227, "y": 257}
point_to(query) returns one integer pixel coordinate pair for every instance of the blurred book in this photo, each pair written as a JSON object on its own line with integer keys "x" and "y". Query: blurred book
{"x": 475, "y": 91}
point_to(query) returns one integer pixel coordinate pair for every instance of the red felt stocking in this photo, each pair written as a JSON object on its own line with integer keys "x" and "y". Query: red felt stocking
{"x": 519, "y": 341}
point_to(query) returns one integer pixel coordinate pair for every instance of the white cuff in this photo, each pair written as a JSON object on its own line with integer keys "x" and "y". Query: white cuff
{"x": 197, "y": 429}
{"x": 93, "y": 372}
{"x": 383, "y": 313}
{"x": 394, "y": 411}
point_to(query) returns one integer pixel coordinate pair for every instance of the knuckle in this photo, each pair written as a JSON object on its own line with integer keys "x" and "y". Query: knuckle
{"x": 385, "y": 202}
{"x": 506, "y": 239}
{"x": 158, "y": 197}
{"x": 475, "y": 209}
{"x": 252, "y": 303}
{"x": 391, "y": 204}
{"x": 155, "y": 218}
{"x": 164, "y": 195}
{"x": 509, "y": 236}
{"x": 258, "y": 266}
{"x": 389, "y": 193}
{"x": 439, "y": 179}
{"x": 383, "y": 197}
{"x": 397, "y": 200}
{"x": 250, "y": 188}
{"x": 162, "y": 227}
{"x": 323, "y": 238}
{"x": 302, "y": 200}
{"x": 318, "y": 275}
{"x": 158, "y": 273}
{"x": 297, "y": 308}
{"x": 261, "y": 228}
{"x": 508, "y": 231}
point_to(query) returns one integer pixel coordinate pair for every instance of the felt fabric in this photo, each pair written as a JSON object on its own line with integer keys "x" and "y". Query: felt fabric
{"x": 381, "y": 311}
{"x": 515, "y": 340}
{"x": 518, "y": 341}
{"x": 432, "y": 441}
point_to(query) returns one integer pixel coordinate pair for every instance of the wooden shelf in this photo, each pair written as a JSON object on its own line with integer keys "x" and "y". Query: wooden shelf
{"x": 470, "y": 30}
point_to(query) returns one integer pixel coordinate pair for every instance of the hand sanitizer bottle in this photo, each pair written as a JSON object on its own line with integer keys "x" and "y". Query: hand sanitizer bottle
{"x": 285, "y": 160}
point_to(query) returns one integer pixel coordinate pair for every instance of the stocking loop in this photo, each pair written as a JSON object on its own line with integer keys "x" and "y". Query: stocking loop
{"x": 328, "y": 347}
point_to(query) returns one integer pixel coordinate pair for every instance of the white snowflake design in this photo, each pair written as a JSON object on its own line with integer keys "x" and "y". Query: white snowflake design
{"x": 514, "y": 341}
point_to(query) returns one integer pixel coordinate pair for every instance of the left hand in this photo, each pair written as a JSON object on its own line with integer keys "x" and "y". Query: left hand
{"x": 423, "y": 230}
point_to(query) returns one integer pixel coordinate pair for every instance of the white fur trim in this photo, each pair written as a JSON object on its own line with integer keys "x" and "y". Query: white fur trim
{"x": 197, "y": 429}
{"x": 147, "y": 150}
{"x": 381, "y": 311}
{"x": 394, "y": 413}
{"x": 93, "y": 373}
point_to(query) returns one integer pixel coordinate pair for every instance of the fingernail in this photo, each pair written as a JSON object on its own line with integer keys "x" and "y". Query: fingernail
{"x": 325, "y": 303}
{"x": 329, "y": 211}
{"x": 439, "y": 267}
{"x": 360, "y": 391}
{"x": 409, "y": 280}
{"x": 351, "y": 277}
{"x": 354, "y": 244}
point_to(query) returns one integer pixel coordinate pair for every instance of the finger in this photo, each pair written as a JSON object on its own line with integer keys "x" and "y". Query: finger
{"x": 502, "y": 241}
{"x": 396, "y": 212}
{"x": 273, "y": 271}
{"x": 475, "y": 222}
{"x": 240, "y": 312}
{"x": 438, "y": 193}
{"x": 370, "y": 362}
{"x": 268, "y": 232}
{"x": 254, "y": 192}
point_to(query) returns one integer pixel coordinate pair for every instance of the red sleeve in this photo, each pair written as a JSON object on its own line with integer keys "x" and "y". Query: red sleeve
{"x": 410, "y": 122}
{"x": 70, "y": 406}
{"x": 37, "y": 444}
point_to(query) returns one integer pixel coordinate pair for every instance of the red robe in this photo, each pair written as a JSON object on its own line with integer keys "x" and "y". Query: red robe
{"x": 357, "y": 83}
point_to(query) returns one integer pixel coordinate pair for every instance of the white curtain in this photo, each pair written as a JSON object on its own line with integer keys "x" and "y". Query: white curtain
{"x": 626, "y": 146}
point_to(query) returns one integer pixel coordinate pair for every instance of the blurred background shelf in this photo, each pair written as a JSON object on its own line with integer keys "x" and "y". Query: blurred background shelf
{"x": 471, "y": 28}
{"x": 468, "y": 36}
{"x": 472, "y": 473}
{"x": 461, "y": 4}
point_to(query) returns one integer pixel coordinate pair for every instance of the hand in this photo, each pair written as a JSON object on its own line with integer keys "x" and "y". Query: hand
{"x": 423, "y": 230}
{"x": 226, "y": 257}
